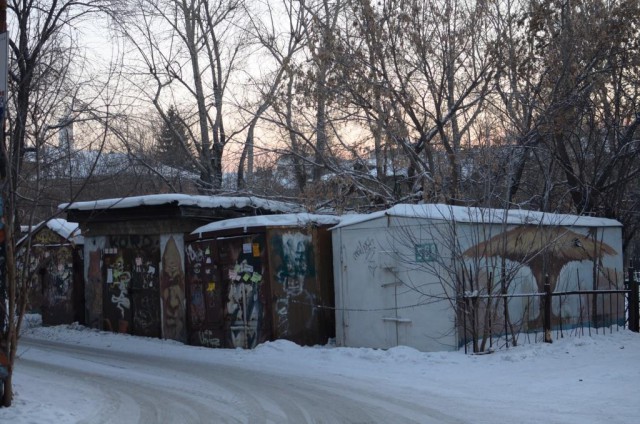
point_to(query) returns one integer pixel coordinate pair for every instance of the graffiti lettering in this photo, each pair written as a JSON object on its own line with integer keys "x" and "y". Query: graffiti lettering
{"x": 207, "y": 339}
{"x": 134, "y": 241}
{"x": 193, "y": 254}
{"x": 365, "y": 249}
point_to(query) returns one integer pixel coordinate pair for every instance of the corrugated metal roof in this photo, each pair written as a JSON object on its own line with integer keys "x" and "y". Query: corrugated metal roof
{"x": 185, "y": 200}
{"x": 481, "y": 215}
{"x": 285, "y": 220}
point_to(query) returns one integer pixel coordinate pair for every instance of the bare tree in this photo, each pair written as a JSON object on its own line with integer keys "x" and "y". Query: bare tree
{"x": 568, "y": 95}
{"x": 46, "y": 81}
{"x": 186, "y": 53}
{"x": 281, "y": 37}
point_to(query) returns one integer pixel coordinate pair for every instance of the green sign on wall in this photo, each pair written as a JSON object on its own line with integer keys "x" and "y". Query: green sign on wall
{"x": 426, "y": 252}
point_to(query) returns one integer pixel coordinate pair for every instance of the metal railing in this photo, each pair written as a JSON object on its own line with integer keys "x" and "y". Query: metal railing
{"x": 596, "y": 311}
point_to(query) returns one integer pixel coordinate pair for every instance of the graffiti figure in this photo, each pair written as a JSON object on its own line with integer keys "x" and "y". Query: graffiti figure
{"x": 292, "y": 274}
{"x": 122, "y": 300}
{"x": 172, "y": 290}
{"x": 241, "y": 300}
{"x": 294, "y": 266}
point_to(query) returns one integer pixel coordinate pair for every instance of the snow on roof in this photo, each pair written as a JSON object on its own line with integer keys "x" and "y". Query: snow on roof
{"x": 283, "y": 220}
{"x": 482, "y": 215}
{"x": 185, "y": 200}
{"x": 65, "y": 229}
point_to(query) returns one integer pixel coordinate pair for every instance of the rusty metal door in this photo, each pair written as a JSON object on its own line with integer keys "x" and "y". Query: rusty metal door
{"x": 242, "y": 271}
{"x": 57, "y": 284}
{"x": 116, "y": 298}
{"x": 131, "y": 300}
{"x": 145, "y": 295}
{"x": 204, "y": 294}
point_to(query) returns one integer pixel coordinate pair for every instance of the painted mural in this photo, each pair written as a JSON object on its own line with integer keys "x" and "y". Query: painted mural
{"x": 172, "y": 290}
{"x": 296, "y": 288}
{"x": 550, "y": 251}
{"x": 51, "y": 286}
{"x": 243, "y": 290}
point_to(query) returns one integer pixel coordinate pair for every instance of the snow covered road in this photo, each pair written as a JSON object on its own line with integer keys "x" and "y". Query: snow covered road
{"x": 73, "y": 374}
{"x": 143, "y": 388}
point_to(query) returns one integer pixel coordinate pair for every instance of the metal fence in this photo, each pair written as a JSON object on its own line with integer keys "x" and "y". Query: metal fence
{"x": 592, "y": 312}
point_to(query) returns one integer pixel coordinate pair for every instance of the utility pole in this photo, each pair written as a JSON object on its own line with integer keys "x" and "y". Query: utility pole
{"x": 4, "y": 42}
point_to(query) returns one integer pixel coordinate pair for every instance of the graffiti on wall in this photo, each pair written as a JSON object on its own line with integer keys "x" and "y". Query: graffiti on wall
{"x": 144, "y": 286}
{"x": 131, "y": 281}
{"x": 204, "y": 297}
{"x": 295, "y": 255}
{"x": 93, "y": 288}
{"x": 57, "y": 278}
{"x": 243, "y": 291}
{"x": 546, "y": 251}
{"x": 243, "y": 308}
{"x": 200, "y": 269}
{"x": 208, "y": 339}
{"x": 172, "y": 292}
{"x": 119, "y": 280}
{"x": 138, "y": 242}
{"x": 365, "y": 251}
{"x": 50, "y": 287}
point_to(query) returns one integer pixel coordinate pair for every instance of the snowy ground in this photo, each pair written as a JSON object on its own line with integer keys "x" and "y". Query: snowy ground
{"x": 575, "y": 380}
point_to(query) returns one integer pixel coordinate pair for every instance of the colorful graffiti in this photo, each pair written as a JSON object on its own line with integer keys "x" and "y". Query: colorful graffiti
{"x": 50, "y": 277}
{"x": 204, "y": 306}
{"x": 131, "y": 281}
{"x": 244, "y": 301}
{"x": 144, "y": 287}
{"x": 295, "y": 266}
{"x": 172, "y": 292}
{"x": 243, "y": 307}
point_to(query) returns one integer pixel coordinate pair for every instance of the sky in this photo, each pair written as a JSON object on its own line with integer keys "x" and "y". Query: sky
{"x": 589, "y": 379}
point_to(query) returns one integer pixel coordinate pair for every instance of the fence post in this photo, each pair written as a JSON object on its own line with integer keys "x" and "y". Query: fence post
{"x": 547, "y": 310}
{"x": 633, "y": 301}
